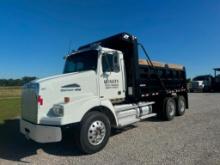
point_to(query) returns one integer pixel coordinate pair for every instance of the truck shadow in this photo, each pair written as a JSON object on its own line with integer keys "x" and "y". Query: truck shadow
{"x": 153, "y": 119}
{"x": 15, "y": 147}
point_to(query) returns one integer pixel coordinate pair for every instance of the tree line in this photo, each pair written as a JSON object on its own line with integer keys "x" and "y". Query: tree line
{"x": 16, "y": 82}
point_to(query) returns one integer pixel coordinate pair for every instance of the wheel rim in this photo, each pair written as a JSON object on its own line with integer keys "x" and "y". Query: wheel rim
{"x": 171, "y": 108}
{"x": 96, "y": 132}
{"x": 182, "y": 106}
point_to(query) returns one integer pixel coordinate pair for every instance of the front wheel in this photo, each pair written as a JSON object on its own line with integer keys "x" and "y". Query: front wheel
{"x": 94, "y": 132}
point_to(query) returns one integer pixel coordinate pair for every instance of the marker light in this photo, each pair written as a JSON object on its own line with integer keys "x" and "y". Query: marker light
{"x": 126, "y": 36}
{"x": 66, "y": 99}
{"x": 40, "y": 100}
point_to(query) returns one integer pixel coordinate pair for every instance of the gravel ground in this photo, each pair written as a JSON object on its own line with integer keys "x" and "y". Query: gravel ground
{"x": 191, "y": 139}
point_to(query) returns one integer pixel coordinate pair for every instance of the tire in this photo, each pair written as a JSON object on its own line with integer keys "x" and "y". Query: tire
{"x": 181, "y": 106}
{"x": 94, "y": 132}
{"x": 169, "y": 108}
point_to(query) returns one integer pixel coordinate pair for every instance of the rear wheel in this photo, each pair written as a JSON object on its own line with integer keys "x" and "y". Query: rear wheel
{"x": 169, "y": 108}
{"x": 94, "y": 132}
{"x": 181, "y": 106}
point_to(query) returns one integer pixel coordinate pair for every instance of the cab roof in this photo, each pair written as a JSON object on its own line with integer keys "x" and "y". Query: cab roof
{"x": 217, "y": 69}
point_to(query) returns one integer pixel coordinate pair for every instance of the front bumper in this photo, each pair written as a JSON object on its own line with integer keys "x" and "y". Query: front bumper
{"x": 197, "y": 88}
{"x": 40, "y": 133}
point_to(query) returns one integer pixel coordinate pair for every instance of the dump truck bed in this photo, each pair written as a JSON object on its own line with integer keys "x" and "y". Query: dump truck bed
{"x": 161, "y": 77}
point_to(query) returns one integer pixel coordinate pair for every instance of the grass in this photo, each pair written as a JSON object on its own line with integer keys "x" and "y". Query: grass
{"x": 9, "y": 108}
{"x": 9, "y": 102}
{"x": 8, "y": 92}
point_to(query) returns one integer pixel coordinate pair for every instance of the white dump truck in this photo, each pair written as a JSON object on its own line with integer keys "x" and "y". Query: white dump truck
{"x": 104, "y": 85}
{"x": 202, "y": 83}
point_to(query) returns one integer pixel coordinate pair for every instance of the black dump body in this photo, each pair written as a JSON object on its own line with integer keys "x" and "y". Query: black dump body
{"x": 161, "y": 79}
{"x": 143, "y": 79}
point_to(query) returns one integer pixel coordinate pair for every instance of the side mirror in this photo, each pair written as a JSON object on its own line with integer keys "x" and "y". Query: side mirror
{"x": 116, "y": 65}
{"x": 106, "y": 64}
{"x": 65, "y": 57}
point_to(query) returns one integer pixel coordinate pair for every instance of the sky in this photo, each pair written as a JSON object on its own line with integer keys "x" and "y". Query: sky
{"x": 35, "y": 35}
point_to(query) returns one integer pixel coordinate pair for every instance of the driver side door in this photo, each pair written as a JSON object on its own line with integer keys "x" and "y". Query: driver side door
{"x": 111, "y": 78}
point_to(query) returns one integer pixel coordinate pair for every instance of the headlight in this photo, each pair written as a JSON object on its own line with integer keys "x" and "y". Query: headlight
{"x": 58, "y": 110}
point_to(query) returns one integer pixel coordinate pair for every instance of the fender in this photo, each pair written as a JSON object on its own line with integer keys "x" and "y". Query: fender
{"x": 76, "y": 108}
{"x": 107, "y": 103}
{"x": 74, "y": 111}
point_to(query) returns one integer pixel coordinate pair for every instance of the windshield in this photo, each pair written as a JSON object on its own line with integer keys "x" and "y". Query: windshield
{"x": 81, "y": 61}
{"x": 201, "y": 78}
{"x": 217, "y": 79}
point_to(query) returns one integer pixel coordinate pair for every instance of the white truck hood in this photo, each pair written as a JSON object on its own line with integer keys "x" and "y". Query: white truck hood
{"x": 54, "y": 89}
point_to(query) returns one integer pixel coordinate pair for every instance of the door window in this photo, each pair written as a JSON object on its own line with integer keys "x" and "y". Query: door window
{"x": 110, "y": 63}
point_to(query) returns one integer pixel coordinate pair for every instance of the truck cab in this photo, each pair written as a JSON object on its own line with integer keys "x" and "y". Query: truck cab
{"x": 202, "y": 83}
{"x": 108, "y": 65}
{"x": 91, "y": 78}
{"x": 103, "y": 86}
{"x": 216, "y": 79}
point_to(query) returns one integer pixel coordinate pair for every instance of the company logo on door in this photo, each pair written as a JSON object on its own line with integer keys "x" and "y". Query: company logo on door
{"x": 111, "y": 84}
